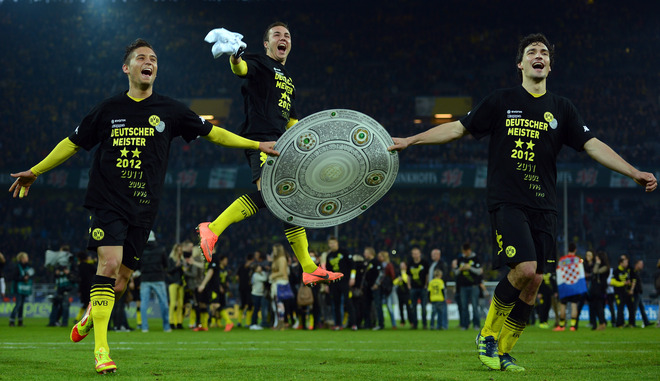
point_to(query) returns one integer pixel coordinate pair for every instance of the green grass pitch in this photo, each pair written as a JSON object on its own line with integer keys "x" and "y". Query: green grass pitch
{"x": 37, "y": 352}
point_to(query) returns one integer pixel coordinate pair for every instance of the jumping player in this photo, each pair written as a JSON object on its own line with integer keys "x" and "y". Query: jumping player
{"x": 269, "y": 95}
{"x": 133, "y": 130}
{"x": 527, "y": 126}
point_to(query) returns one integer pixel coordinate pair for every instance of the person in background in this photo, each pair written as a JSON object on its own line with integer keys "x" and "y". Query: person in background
{"x": 22, "y": 287}
{"x": 278, "y": 277}
{"x": 624, "y": 284}
{"x": 154, "y": 271}
{"x": 638, "y": 291}
{"x": 387, "y": 286}
{"x": 403, "y": 294}
{"x": 244, "y": 275}
{"x": 259, "y": 303}
{"x": 175, "y": 286}
{"x": 418, "y": 270}
{"x": 598, "y": 290}
{"x": 438, "y": 302}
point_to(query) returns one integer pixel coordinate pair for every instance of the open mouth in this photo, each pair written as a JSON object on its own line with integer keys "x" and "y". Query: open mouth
{"x": 538, "y": 65}
{"x": 281, "y": 48}
{"x": 147, "y": 71}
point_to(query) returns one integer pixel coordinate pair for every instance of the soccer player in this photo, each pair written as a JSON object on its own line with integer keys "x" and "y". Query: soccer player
{"x": 133, "y": 131}
{"x": 269, "y": 96}
{"x": 527, "y": 126}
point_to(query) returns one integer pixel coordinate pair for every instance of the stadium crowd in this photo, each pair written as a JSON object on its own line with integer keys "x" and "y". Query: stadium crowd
{"x": 372, "y": 59}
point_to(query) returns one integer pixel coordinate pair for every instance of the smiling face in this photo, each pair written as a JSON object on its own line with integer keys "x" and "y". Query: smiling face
{"x": 141, "y": 68}
{"x": 278, "y": 44}
{"x": 535, "y": 62}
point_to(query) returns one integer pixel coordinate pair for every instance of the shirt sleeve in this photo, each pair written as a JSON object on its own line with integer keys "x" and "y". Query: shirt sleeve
{"x": 481, "y": 119}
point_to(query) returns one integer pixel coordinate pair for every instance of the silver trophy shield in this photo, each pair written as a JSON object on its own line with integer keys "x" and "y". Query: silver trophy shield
{"x": 333, "y": 165}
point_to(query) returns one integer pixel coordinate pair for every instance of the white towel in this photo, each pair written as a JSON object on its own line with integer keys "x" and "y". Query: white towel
{"x": 224, "y": 42}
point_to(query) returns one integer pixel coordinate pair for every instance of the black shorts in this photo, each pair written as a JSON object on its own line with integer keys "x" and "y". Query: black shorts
{"x": 246, "y": 297}
{"x": 109, "y": 228}
{"x": 572, "y": 299}
{"x": 256, "y": 160}
{"x": 218, "y": 297}
{"x": 522, "y": 235}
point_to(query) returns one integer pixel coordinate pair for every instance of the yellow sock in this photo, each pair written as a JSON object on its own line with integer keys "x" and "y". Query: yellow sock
{"x": 242, "y": 208}
{"x": 193, "y": 318}
{"x": 297, "y": 238}
{"x": 511, "y": 331}
{"x": 102, "y": 297}
{"x": 138, "y": 317}
{"x": 204, "y": 318}
{"x": 225, "y": 317}
{"x": 573, "y": 322}
{"x": 248, "y": 317}
{"x": 562, "y": 323}
{"x": 497, "y": 315}
{"x": 513, "y": 326}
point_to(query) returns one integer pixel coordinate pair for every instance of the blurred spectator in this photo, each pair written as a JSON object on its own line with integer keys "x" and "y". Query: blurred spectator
{"x": 153, "y": 267}
{"x": 175, "y": 286}
{"x": 22, "y": 287}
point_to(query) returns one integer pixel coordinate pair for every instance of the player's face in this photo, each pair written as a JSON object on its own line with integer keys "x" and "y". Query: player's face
{"x": 535, "y": 63}
{"x": 142, "y": 68}
{"x": 278, "y": 45}
{"x": 333, "y": 245}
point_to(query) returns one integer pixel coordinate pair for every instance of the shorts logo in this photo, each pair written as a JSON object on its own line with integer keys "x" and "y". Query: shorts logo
{"x": 98, "y": 234}
{"x": 510, "y": 251}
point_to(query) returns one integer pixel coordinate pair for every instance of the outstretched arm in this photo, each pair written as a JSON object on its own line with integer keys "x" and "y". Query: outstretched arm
{"x": 606, "y": 156}
{"x": 226, "y": 138}
{"x": 440, "y": 134}
{"x": 62, "y": 151}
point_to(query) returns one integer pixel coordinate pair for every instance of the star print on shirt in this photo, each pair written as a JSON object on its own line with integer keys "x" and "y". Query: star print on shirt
{"x": 530, "y": 145}
{"x": 519, "y": 143}
{"x": 124, "y": 152}
{"x": 136, "y": 153}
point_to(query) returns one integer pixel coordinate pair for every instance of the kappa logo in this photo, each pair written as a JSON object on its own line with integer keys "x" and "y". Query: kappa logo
{"x": 98, "y": 234}
{"x": 585, "y": 128}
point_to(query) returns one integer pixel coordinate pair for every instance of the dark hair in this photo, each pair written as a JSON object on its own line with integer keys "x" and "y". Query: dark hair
{"x": 139, "y": 43}
{"x": 572, "y": 247}
{"x": 530, "y": 39}
{"x": 276, "y": 23}
{"x": 604, "y": 259}
{"x": 466, "y": 246}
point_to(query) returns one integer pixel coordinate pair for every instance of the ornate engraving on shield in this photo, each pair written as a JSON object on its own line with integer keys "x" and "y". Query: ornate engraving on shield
{"x": 333, "y": 165}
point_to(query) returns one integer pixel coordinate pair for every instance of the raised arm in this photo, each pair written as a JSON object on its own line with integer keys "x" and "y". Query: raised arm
{"x": 62, "y": 151}
{"x": 441, "y": 134}
{"x": 226, "y": 138}
{"x": 606, "y": 156}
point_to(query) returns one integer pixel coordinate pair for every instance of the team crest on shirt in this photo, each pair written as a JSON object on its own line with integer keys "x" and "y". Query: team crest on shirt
{"x": 510, "y": 251}
{"x": 550, "y": 119}
{"x": 155, "y": 121}
{"x": 98, "y": 234}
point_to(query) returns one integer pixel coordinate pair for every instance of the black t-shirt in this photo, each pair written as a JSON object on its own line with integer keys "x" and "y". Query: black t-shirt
{"x": 418, "y": 273}
{"x": 244, "y": 276}
{"x": 130, "y": 164}
{"x": 268, "y": 98}
{"x": 526, "y": 135}
{"x": 468, "y": 278}
{"x": 340, "y": 261}
{"x": 374, "y": 269}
